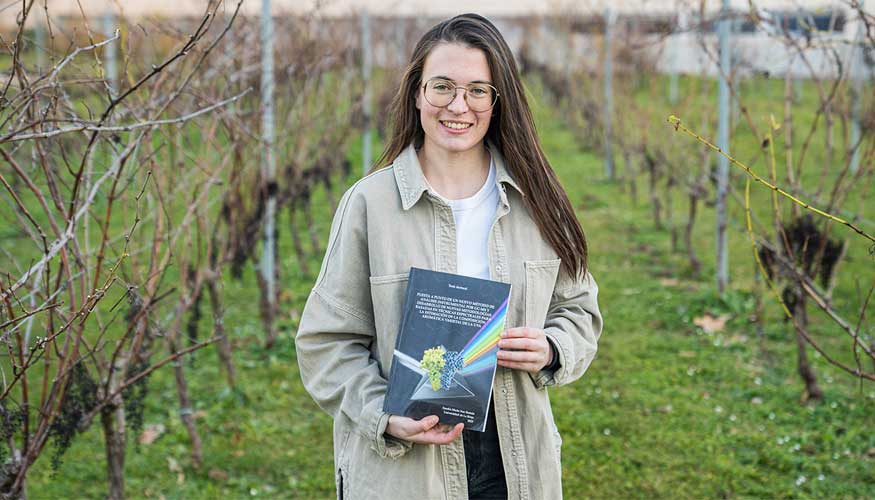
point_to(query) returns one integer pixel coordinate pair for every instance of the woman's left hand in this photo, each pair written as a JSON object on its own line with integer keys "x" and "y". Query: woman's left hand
{"x": 524, "y": 349}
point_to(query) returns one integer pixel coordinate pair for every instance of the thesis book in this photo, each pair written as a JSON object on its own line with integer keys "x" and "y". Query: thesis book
{"x": 445, "y": 353}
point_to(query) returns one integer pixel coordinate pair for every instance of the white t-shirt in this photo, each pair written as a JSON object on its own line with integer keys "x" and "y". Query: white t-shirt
{"x": 474, "y": 217}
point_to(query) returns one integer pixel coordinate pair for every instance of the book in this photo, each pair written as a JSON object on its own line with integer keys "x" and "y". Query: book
{"x": 445, "y": 353}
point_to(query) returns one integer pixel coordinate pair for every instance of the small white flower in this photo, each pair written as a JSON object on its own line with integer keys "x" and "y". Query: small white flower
{"x": 820, "y": 477}
{"x": 598, "y": 390}
{"x": 758, "y": 381}
{"x": 607, "y": 431}
{"x": 691, "y": 371}
{"x": 800, "y": 480}
{"x": 615, "y": 394}
{"x": 771, "y": 416}
{"x": 833, "y": 405}
{"x": 718, "y": 409}
{"x": 796, "y": 447}
{"x": 732, "y": 418}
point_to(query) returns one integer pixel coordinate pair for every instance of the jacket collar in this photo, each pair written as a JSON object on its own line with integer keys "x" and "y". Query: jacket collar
{"x": 411, "y": 181}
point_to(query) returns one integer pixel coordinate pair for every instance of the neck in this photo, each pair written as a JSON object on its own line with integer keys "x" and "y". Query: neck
{"x": 455, "y": 175}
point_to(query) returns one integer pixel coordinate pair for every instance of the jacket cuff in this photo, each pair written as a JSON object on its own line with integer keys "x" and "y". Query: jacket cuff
{"x": 376, "y": 421}
{"x": 553, "y": 372}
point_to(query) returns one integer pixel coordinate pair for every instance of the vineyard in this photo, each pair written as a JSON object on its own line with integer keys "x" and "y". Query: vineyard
{"x": 168, "y": 185}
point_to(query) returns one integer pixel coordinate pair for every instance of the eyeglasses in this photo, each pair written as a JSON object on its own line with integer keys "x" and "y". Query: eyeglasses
{"x": 479, "y": 96}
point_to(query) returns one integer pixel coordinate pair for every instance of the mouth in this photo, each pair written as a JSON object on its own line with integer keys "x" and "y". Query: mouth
{"x": 454, "y": 125}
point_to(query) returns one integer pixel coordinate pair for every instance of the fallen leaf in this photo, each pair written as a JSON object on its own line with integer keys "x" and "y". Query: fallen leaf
{"x": 756, "y": 400}
{"x": 687, "y": 354}
{"x": 711, "y": 324}
{"x": 218, "y": 475}
{"x": 669, "y": 282}
{"x": 870, "y": 452}
{"x": 151, "y": 433}
{"x": 199, "y": 414}
{"x": 173, "y": 465}
{"x": 665, "y": 409}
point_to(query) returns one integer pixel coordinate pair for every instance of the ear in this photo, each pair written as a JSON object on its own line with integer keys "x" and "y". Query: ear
{"x": 416, "y": 101}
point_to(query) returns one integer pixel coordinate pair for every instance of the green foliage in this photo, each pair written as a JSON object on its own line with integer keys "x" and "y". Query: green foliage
{"x": 433, "y": 362}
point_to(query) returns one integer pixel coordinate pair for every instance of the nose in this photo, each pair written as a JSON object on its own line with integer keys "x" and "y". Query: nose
{"x": 459, "y": 104}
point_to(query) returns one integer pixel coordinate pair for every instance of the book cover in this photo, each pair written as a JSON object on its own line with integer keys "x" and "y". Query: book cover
{"x": 445, "y": 353}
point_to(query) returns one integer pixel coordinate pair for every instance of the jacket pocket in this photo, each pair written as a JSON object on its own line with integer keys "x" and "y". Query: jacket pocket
{"x": 387, "y": 296}
{"x": 540, "y": 281}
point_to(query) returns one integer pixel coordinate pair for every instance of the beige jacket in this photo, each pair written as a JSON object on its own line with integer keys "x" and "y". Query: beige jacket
{"x": 386, "y": 223}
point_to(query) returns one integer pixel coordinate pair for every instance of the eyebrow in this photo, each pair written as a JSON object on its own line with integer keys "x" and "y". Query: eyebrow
{"x": 442, "y": 77}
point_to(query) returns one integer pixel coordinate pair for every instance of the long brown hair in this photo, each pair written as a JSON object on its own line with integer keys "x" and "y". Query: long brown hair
{"x": 512, "y": 130}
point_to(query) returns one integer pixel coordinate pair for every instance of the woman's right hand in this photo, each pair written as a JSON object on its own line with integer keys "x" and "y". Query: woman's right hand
{"x": 423, "y": 431}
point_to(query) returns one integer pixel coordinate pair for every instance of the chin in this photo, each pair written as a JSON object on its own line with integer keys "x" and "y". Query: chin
{"x": 457, "y": 144}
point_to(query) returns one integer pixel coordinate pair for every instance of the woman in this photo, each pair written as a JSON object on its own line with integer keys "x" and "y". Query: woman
{"x": 465, "y": 189}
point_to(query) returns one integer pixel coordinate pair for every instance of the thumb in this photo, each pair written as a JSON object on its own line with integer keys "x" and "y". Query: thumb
{"x": 428, "y": 422}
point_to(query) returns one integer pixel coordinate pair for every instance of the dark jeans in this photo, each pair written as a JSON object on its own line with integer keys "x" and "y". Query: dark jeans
{"x": 483, "y": 462}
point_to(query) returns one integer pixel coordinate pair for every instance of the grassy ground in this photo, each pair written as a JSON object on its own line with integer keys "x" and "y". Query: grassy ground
{"x": 666, "y": 411}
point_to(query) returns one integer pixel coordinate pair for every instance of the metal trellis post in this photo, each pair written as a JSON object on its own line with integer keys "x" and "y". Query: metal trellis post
{"x": 723, "y": 143}
{"x": 610, "y": 17}
{"x": 268, "y": 258}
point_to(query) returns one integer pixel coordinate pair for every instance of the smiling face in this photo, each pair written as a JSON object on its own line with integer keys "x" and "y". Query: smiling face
{"x": 455, "y": 128}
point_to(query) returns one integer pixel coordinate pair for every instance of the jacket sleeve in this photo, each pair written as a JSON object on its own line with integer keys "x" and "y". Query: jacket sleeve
{"x": 573, "y": 326}
{"x": 336, "y": 333}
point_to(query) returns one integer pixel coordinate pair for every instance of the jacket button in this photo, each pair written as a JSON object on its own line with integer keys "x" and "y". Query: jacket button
{"x": 504, "y": 391}
{"x": 498, "y": 268}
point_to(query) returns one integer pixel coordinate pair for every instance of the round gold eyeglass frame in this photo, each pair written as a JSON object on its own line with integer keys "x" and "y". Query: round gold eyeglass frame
{"x": 454, "y": 93}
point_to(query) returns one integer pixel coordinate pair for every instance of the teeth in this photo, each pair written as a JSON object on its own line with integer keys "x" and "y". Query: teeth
{"x": 457, "y": 126}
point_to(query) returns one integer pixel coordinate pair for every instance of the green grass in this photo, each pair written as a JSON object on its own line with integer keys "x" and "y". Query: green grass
{"x": 665, "y": 411}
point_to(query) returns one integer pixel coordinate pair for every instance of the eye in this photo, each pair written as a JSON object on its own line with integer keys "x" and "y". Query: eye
{"x": 480, "y": 91}
{"x": 441, "y": 86}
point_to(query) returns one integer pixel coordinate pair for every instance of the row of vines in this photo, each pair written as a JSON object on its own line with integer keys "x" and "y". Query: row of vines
{"x": 799, "y": 177}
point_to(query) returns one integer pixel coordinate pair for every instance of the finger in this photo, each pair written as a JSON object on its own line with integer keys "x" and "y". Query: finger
{"x": 436, "y": 435}
{"x": 457, "y": 431}
{"x": 521, "y": 344}
{"x": 452, "y": 435}
{"x": 521, "y": 356}
{"x": 426, "y": 423}
{"x": 526, "y": 367}
{"x": 519, "y": 332}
